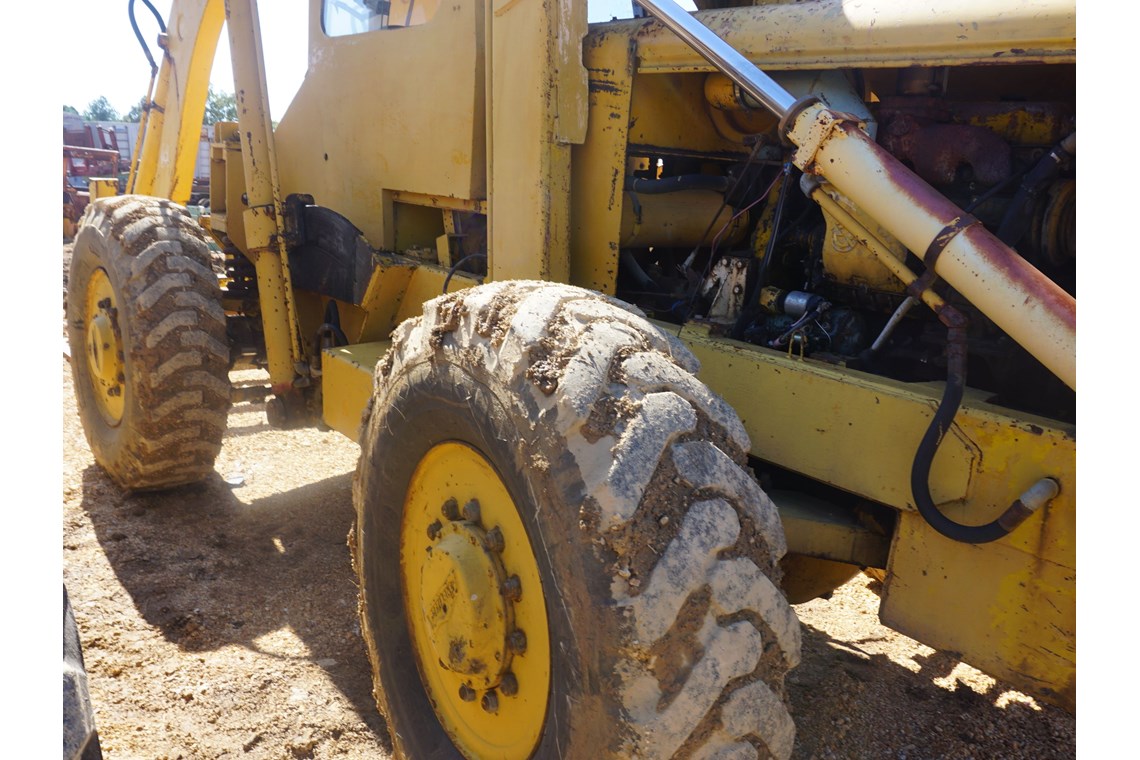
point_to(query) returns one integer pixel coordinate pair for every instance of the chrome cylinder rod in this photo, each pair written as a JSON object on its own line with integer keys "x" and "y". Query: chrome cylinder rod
{"x": 722, "y": 55}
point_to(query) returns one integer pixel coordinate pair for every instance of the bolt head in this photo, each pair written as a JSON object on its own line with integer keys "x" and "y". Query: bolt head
{"x": 434, "y": 529}
{"x": 466, "y": 693}
{"x": 495, "y": 542}
{"x": 471, "y": 511}
{"x": 516, "y": 642}
{"x": 512, "y": 588}
{"x": 451, "y": 509}
{"x": 490, "y": 702}
{"x": 509, "y": 685}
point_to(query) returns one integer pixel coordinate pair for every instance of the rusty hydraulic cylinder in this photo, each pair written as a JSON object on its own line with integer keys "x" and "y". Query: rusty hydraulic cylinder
{"x": 262, "y": 217}
{"x": 1026, "y": 304}
{"x": 1032, "y": 309}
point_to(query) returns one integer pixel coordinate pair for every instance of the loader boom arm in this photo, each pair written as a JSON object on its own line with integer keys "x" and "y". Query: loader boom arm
{"x": 172, "y": 121}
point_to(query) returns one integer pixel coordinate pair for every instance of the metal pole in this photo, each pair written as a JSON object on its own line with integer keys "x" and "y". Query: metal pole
{"x": 722, "y": 55}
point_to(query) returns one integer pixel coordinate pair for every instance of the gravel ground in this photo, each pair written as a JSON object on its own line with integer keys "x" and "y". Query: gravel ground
{"x": 220, "y": 621}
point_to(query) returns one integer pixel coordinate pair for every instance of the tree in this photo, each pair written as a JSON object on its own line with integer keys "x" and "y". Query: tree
{"x": 135, "y": 114}
{"x": 220, "y": 106}
{"x": 70, "y": 109}
{"x": 100, "y": 109}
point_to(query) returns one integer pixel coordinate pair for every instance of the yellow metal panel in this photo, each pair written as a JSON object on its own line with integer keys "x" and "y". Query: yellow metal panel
{"x": 1008, "y": 607}
{"x": 397, "y": 290}
{"x": 1009, "y": 612}
{"x": 393, "y": 109}
{"x": 671, "y": 112}
{"x": 874, "y": 33}
{"x": 846, "y": 259}
{"x": 538, "y": 109}
{"x": 816, "y": 528}
{"x": 426, "y": 284}
{"x": 680, "y": 218}
{"x": 102, "y": 187}
{"x": 347, "y": 384}
{"x": 598, "y": 164}
{"x": 815, "y": 418}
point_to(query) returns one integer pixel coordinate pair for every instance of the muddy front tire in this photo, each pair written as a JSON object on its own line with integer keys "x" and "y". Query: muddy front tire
{"x": 149, "y": 355}
{"x": 637, "y": 526}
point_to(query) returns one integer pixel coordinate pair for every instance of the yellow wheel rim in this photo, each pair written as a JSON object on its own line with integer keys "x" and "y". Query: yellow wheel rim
{"x": 104, "y": 348}
{"x": 475, "y": 605}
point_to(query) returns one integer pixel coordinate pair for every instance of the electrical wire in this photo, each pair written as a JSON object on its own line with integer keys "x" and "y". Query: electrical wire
{"x": 716, "y": 239}
{"x": 456, "y": 265}
{"x": 138, "y": 34}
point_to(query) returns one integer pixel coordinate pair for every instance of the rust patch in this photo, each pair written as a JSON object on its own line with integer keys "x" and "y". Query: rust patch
{"x": 991, "y": 252}
{"x": 1037, "y": 286}
{"x": 937, "y": 151}
{"x": 457, "y": 653}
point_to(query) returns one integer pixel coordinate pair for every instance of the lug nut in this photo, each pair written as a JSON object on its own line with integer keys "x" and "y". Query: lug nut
{"x": 451, "y": 509}
{"x": 434, "y": 529}
{"x": 495, "y": 541}
{"x": 471, "y": 511}
{"x": 509, "y": 685}
{"x": 512, "y": 588}
{"x": 491, "y": 702}
{"x": 516, "y": 642}
{"x": 466, "y": 693}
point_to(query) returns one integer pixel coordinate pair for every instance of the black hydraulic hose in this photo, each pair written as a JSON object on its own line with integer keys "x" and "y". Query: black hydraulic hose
{"x": 138, "y": 34}
{"x": 939, "y": 426}
{"x": 673, "y": 184}
{"x": 1019, "y": 215}
{"x": 456, "y": 265}
{"x": 628, "y": 264}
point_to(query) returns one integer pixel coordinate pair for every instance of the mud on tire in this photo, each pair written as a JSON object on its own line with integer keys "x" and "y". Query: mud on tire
{"x": 658, "y": 551}
{"x": 171, "y": 333}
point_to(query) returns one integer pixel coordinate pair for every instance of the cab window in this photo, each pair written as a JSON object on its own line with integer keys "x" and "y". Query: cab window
{"x": 344, "y": 17}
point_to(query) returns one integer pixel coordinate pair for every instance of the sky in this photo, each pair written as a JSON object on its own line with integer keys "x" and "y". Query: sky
{"x": 123, "y": 73}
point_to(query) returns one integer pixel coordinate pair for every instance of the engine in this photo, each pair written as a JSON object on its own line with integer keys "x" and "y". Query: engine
{"x": 765, "y": 264}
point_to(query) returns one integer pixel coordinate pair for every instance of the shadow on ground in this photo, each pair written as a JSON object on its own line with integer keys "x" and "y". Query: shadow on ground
{"x": 852, "y": 703}
{"x": 209, "y": 570}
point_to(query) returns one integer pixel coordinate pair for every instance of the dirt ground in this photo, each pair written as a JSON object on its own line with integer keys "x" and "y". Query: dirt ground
{"x": 220, "y": 621}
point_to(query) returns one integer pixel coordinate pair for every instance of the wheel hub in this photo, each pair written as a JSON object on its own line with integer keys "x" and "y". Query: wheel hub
{"x": 467, "y": 618}
{"x": 104, "y": 348}
{"x": 476, "y": 612}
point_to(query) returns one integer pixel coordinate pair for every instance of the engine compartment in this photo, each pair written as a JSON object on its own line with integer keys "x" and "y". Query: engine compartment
{"x": 774, "y": 269}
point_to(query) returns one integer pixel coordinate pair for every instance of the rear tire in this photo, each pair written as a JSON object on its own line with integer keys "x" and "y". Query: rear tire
{"x": 656, "y": 549}
{"x": 147, "y": 332}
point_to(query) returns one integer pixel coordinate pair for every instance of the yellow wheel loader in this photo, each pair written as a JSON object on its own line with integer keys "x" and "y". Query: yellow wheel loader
{"x": 647, "y": 330}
